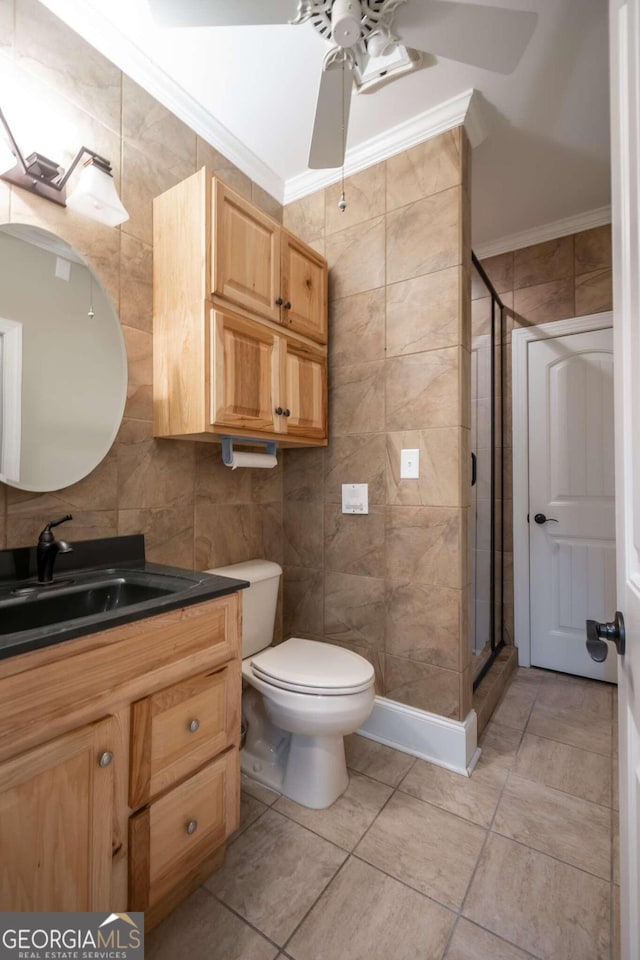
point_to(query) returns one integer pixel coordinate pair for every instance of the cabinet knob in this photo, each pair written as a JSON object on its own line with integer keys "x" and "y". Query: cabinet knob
{"x": 192, "y": 826}
{"x": 279, "y": 302}
{"x": 105, "y": 758}
{"x": 279, "y": 411}
{"x": 286, "y": 413}
{"x": 194, "y": 725}
{"x": 287, "y": 305}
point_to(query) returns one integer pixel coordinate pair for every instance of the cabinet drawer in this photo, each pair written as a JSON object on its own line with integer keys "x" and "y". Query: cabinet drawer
{"x": 170, "y": 839}
{"x": 175, "y": 731}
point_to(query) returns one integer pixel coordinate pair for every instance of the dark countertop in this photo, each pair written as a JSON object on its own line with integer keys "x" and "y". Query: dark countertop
{"x": 111, "y": 561}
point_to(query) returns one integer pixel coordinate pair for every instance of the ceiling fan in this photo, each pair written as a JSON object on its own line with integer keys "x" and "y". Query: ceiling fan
{"x": 373, "y": 41}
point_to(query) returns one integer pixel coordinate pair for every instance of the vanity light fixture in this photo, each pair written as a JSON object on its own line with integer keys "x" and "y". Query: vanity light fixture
{"x": 95, "y": 195}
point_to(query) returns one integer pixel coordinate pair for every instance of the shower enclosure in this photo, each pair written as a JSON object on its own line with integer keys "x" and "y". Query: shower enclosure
{"x": 488, "y": 349}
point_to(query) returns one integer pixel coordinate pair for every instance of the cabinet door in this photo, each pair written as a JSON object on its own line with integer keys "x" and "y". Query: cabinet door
{"x": 245, "y": 374}
{"x": 306, "y": 391}
{"x": 246, "y": 254}
{"x": 304, "y": 286}
{"x": 172, "y": 838}
{"x": 56, "y": 823}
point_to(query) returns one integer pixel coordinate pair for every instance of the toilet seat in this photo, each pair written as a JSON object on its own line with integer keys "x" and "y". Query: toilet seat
{"x": 311, "y": 667}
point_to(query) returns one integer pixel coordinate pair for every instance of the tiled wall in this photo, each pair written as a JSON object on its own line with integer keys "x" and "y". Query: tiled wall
{"x": 191, "y": 508}
{"x": 393, "y": 585}
{"x": 568, "y": 277}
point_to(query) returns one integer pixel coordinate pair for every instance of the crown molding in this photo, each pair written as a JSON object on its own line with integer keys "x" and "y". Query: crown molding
{"x": 88, "y": 21}
{"x": 547, "y": 231}
{"x": 460, "y": 110}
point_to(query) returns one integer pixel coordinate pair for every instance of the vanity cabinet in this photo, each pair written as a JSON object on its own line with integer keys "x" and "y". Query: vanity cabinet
{"x": 56, "y": 815}
{"x": 240, "y": 321}
{"x": 120, "y": 764}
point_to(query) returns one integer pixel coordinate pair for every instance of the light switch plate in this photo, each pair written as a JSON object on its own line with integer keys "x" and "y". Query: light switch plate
{"x": 355, "y": 498}
{"x": 409, "y": 464}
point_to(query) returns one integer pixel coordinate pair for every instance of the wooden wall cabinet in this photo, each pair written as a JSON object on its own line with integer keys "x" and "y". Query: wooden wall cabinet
{"x": 240, "y": 321}
{"x": 120, "y": 764}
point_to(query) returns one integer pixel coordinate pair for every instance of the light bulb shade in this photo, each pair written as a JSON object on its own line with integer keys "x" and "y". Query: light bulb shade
{"x": 95, "y": 196}
{"x": 8, "y": 158}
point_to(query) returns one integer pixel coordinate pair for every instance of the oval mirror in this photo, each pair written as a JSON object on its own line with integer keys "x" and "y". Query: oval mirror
{"x": 63, "y": 364}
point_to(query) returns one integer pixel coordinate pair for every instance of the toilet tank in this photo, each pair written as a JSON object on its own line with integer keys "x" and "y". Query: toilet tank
{"x": 259, "y": 601}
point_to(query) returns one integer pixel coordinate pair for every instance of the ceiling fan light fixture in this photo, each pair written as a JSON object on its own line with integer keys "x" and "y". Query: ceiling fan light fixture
{"x": 370, "y": 72}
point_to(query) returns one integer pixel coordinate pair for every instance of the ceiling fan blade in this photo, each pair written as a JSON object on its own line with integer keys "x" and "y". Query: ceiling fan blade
{"x": 329, "y": 131}
{"x": 221, "y": 13}
{"x": 490, "y": 37}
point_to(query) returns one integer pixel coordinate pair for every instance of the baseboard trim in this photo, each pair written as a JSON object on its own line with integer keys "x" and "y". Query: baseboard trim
{"x": 452, "y": 744}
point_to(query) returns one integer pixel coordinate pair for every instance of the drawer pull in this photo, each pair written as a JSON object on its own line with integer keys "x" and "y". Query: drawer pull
{"x": 105, "y": 759}
{"x": 192, "y": 826}
{"x": 194, "y": 725}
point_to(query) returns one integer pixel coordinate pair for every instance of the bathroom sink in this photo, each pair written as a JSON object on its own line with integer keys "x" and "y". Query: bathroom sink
{"x": 33, "y": 606}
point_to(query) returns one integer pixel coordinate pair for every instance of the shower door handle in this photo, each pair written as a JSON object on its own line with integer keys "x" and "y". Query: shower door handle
{"x": 474, "y": 469}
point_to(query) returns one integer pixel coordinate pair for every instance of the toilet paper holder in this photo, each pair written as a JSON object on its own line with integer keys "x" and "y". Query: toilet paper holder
{"x": 228, "y": 441}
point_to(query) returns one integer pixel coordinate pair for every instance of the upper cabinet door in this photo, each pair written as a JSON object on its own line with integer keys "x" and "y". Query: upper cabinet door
{"x": 246, "y": 254}
{"x": 304, "y": 288}
{"x": 306, "y": 391}
{"x": 245, "y": 374}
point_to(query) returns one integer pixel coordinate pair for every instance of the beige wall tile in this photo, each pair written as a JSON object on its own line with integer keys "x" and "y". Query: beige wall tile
{"x": 422, "y": 623}
{"x": 424, "y": 313}
{"x": 356, "y": 399}
{"x": 266, "y": 485}
{"x": 439, "y": 480}
{"x": 594, "y": 292}
{"x": 543, "y": 262}
{"x": 304, "y": 534}
{"x": 357, "y": 325}
{"x": 216, "y": 483}
{"x": 342, "y": 925}
{"x": 266, "y": 202}
{"x": 424, "y": 847}
{"x": 422, "y": 390}
{"x": 354, "y": 544}
{"x": 354, "y": 609}
{"x": 593, "y": 250}
{"x": 168, "y": 533}
{"x": 5, "y": 201}
{"x": 53, "y": 52}
{"x": 143, "y": 178}
{"x": 364, "y": 193}
{"x": 424, "y": 237}
{"x": 153, "y": 473}
{"x": 422, "y": 685}
{"x": 219, "y": 166}
{"x": 139, "y": 344}
{"x": 374, "y": 657}
{"x": 305, "y": 217}
{"x": 356, "y": 459}
{"x": 500, "y": 271}
{"x": 303, "y": 602}
{"x": 152, "y": 129}
{"x": 428, "y": 168}
{"x": 356, "y": 259}
{"x": 23, "y": 531}
{"x": 136, "y": 283}
{"x": 543, "y": 303}
{"x": 423, "y": 545}
{"x": 304, "y": 474}
{"x": 547, "y": 907}
{"x": 230, "y": 533}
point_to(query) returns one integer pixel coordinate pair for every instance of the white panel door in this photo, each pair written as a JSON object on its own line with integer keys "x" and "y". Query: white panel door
{"x": 625, "y": 167}
{"x": 571, "y": 483}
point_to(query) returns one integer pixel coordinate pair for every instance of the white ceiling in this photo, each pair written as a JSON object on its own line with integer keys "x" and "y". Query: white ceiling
{"x": 546, "y": 153}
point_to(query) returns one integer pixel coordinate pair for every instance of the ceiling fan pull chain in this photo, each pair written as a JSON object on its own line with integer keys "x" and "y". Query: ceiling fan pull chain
{"x": 342, "y": 203}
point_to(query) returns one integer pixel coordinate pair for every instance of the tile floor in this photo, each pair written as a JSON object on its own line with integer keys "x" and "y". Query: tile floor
{"x": 416, "y": 863}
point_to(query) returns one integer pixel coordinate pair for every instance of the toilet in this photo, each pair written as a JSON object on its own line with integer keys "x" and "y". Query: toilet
{"x": 300, "y": 698}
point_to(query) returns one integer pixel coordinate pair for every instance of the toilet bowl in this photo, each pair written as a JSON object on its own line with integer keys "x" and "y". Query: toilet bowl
{"x": 300, "y": 698}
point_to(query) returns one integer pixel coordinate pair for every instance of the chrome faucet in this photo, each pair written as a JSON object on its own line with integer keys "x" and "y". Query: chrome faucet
{"x": 49, "y": 548}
